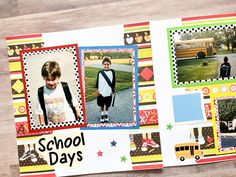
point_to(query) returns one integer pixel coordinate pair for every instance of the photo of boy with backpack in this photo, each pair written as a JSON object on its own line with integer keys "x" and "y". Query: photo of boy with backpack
{"x": 105, "y": 85}
{"x": 225, "y": 68}
{"x": 55, "y": 101}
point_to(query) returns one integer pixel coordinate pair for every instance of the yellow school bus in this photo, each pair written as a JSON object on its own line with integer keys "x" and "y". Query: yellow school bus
{"x": 188, "y": 150}
{"x": 195, "y": 48}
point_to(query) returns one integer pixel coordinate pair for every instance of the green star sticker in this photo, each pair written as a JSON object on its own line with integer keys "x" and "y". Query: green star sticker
{"x": 123, "y": 159}
{"x": 169, "y": 126}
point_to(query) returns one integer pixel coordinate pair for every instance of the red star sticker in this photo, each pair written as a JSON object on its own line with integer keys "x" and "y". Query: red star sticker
{"x": 100, "y": 153}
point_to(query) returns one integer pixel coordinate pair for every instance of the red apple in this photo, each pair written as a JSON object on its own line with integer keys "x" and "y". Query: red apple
{"x": 209, "y": 139}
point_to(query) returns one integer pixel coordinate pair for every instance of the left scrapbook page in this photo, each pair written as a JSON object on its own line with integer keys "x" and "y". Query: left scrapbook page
{"x": 84, "y": 101}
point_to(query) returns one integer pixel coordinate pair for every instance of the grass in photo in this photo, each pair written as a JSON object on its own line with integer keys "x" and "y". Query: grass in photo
{"x": 197, "y": 69}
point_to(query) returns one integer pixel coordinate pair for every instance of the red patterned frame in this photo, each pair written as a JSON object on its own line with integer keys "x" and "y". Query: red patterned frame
{"x": 25, "y": 85}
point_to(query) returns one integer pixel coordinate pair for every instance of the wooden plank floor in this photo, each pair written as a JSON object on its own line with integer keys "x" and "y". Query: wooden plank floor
{"x": 28, "y": 16}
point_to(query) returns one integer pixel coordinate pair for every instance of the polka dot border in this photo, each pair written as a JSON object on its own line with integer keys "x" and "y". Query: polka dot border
{"x": 71, "y": 49}
{"x": 173, "y": 53}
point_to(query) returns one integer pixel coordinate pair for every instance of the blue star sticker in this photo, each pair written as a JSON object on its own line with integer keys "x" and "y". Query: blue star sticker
{"x": 113, "y": 143}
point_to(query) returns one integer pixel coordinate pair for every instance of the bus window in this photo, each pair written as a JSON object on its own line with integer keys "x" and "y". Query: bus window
{"x": 196, "y": 147}
{"x": 177, "y": 149}
{"x": 182, "y": 148}
{"x": 186, "y": 147}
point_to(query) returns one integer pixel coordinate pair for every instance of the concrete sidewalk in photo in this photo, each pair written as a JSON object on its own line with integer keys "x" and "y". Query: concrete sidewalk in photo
{"x": 121, "y": 112}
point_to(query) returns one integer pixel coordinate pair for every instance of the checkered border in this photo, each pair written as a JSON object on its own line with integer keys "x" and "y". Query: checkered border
{"x": 220, "y": 149}
{"x": 45, "y": 51}
{"x": 173, "y": 53}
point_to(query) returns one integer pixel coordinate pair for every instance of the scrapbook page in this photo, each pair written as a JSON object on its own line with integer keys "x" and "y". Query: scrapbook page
{"x": 125, "y": 97}
{"x": 197, "y": 94}
{"x": 84, "y": 101}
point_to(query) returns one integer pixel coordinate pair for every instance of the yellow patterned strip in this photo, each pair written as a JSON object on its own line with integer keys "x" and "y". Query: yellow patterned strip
{"x": 148, "y": 126}
{"x": 15, "y": 66}
{"x": 18, "y": 96}
{"x": 148, "y": 158}
{"x": 146, "y": 96}
{"x": 25, "y": 41}
{"x": 19, "y": 108}
{"x": 136, "y": 29}
{"x": 226, "y": 152}
{"x": 209, "y": 152}
{"x": 36, "y": 168}
{"x": 198, "y": 22}
{"x": 29, "y": 138}
{"x": 215, "y": 89}
{"x": 144, "y": 53}
{"x": 146, "y": 83}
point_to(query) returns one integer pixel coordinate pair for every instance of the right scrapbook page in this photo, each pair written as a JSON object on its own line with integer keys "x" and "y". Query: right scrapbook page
{"x": 196, "y": 89}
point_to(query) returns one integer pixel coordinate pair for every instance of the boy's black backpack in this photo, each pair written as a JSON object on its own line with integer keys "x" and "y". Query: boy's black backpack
{"x": 68, "y": 98}
{"x": 224, "y": 70}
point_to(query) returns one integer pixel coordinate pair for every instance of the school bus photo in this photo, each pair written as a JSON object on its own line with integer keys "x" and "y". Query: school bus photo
{"x": 188, "y": 150}
{"x": 195, "y": 48}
